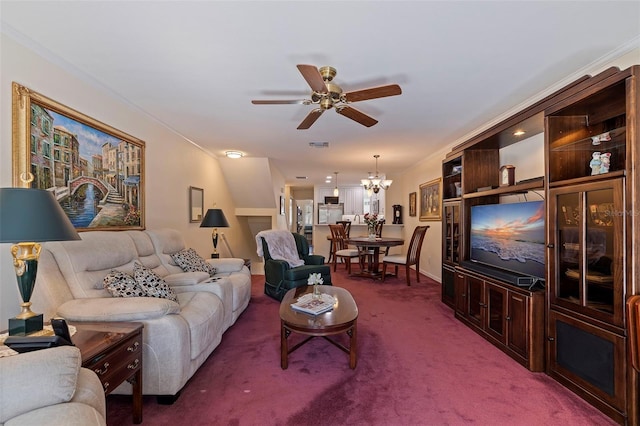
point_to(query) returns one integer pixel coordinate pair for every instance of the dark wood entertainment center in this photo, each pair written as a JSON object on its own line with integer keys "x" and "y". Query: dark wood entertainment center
{"x": 573, "y": 328}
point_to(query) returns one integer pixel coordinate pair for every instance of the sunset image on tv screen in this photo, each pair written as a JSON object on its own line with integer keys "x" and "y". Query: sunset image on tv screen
{"x": 509, "y": 236}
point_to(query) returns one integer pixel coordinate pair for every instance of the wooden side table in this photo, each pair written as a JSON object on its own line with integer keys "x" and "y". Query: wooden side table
{"x": 113, "y": 350}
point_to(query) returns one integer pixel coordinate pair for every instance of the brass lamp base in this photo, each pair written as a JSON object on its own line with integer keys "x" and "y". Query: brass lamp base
{"x": 24, "y": 326}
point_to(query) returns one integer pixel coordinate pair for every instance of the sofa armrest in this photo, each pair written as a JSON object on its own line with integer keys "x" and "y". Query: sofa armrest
{"x": 227, "y": 264}
{"x": 117, "y": 309}
{"x": 274, "y": 271}
{"x": 89, "y": 391}
{"x": 186, "y": 278}
{"x": 37, "y": 379}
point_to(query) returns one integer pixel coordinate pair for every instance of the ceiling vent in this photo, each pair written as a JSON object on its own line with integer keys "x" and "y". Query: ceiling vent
{"x": 301, "y": 177}
{"x": 319, "y": 144}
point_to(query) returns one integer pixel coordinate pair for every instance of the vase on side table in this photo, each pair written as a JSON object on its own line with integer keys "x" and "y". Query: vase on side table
{"x": 316, "y": 281}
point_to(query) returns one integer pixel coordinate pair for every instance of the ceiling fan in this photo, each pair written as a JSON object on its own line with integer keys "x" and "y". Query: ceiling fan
{"x": 327, "y": 95}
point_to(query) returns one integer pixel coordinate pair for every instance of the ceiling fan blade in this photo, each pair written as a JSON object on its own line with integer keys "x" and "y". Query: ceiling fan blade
{"x": 274, "y": 102}
{"x": 310, "y": 119}
{"x": 356, "y": 115}
{"x": 313, "y": 77}
{"x": 373, "y": 93}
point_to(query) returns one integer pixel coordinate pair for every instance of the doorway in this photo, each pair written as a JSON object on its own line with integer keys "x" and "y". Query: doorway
{"x": 304, "y": 221}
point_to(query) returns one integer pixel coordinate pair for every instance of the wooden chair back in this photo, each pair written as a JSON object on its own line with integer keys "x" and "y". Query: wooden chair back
{"x": 338, "y": 237}
{"x": 378, "y": 228}
{"x": 415, "y": 245}
{"x": 347, "y": 226}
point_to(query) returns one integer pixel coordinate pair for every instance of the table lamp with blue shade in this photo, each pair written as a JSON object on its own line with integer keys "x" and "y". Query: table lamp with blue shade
{"x": 28, "y": 217}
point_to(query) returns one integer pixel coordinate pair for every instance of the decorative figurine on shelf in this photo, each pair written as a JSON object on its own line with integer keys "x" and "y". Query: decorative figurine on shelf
{"x": 605, "y": 159}
{"x": 595, "y": 163}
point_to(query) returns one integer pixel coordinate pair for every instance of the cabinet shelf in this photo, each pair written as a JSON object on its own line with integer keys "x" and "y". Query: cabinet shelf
{"x": 513, "y": 189}
{"x": 587, "y": 179}
{"x": 618, "y": 140}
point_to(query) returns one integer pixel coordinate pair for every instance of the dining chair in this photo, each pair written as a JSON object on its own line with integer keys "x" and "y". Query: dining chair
{"x": 340, "y": 246}
{"x": 347, "y": 230}
{"x": 378, "y": 228}
{"x": 346, "y": 224}
{"x": 411, "y": 258}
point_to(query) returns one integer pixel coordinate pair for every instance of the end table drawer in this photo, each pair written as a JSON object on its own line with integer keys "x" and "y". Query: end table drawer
{"x": 118, "y": 363}
{"x": 122, "y": 372}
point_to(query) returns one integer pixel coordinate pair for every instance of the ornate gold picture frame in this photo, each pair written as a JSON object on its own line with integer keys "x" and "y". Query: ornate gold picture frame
{"x": 430, "y": 200}
{"x": 95, "y": 171}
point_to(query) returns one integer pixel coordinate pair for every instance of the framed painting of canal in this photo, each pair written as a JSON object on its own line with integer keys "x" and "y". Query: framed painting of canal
{"x": 95, "y": 171}
{"x": 430, "y": 201}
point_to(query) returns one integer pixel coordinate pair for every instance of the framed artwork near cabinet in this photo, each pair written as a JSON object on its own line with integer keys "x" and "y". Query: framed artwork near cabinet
{"x": 95, "y": 171}
{"x": 412, "y": 203}
{"x": 430, "y": 200}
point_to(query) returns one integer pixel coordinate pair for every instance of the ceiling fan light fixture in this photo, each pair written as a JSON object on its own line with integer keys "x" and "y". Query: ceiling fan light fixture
{"x": 326, "y": 103}
{"x": 327, "y": 94}
{"x": 234, "y": 154}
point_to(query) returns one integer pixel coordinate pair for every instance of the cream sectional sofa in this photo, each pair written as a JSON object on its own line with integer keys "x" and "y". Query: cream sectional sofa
{"x": 49, "y": 386}
{"x": 178, "y": 337}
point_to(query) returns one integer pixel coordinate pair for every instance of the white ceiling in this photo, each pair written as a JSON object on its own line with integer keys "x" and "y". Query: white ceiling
{"x": 195, "y": 66}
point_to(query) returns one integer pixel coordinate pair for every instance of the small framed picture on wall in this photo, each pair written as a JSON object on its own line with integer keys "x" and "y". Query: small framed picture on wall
{"x": 412, "y": 203}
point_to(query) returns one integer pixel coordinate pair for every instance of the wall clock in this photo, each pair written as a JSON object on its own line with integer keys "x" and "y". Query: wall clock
{"x": 507, "y": 175}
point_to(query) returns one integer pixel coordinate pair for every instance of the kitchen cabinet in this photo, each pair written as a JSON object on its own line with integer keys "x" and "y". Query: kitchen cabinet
{"x": 351, "y": 196}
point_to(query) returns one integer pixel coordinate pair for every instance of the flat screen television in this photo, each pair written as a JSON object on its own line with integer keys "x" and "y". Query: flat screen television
{"x": 509, "y": 237}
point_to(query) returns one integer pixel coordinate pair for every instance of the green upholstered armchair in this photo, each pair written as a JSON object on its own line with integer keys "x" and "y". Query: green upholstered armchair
{"x": 280, "y": 277}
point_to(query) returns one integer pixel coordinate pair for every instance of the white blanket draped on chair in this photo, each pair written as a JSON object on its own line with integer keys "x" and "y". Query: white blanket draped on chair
{"x": 282, "y": 246}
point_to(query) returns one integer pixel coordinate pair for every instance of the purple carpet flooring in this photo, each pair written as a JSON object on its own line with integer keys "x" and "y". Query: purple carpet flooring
{"x": 417, "y": 365}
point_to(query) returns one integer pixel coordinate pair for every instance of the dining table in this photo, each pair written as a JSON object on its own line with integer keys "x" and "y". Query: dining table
{"x": 369, "y": 249}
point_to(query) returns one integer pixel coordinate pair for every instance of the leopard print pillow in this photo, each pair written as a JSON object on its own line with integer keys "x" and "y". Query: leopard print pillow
{"x": 152, "y": 284}
{"x": 190, "y": 261}
{"x": 121, "y": 284}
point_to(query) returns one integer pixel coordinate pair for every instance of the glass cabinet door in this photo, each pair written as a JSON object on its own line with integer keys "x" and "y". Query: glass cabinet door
{"x": 586, "y": 236}
{"x": 496, "y": 302}
{"x": 475, "y": 291}
{"x": 451, "y": 230}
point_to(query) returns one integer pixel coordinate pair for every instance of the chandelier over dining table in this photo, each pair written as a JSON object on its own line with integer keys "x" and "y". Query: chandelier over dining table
{"x": 373, "y": 184}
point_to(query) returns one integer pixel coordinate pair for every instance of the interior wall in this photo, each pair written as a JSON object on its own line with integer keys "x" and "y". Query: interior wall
{"x": 427, "y": 170}
{"x": 172, "y": 164}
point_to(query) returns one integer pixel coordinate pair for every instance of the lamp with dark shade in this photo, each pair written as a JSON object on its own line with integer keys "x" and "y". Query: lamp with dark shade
{"x": 27, "y": 217}
{"x": 214, "y": 219}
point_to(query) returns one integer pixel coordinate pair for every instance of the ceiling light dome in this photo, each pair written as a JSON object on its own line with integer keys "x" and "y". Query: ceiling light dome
{"x": 234, "y": 154}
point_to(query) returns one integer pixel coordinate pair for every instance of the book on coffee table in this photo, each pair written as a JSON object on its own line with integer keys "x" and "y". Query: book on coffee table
{"x": 309, "y": 305}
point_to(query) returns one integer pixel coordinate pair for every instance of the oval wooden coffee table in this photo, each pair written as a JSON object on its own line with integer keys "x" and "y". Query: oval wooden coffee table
{"x": 342, "y": 319}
